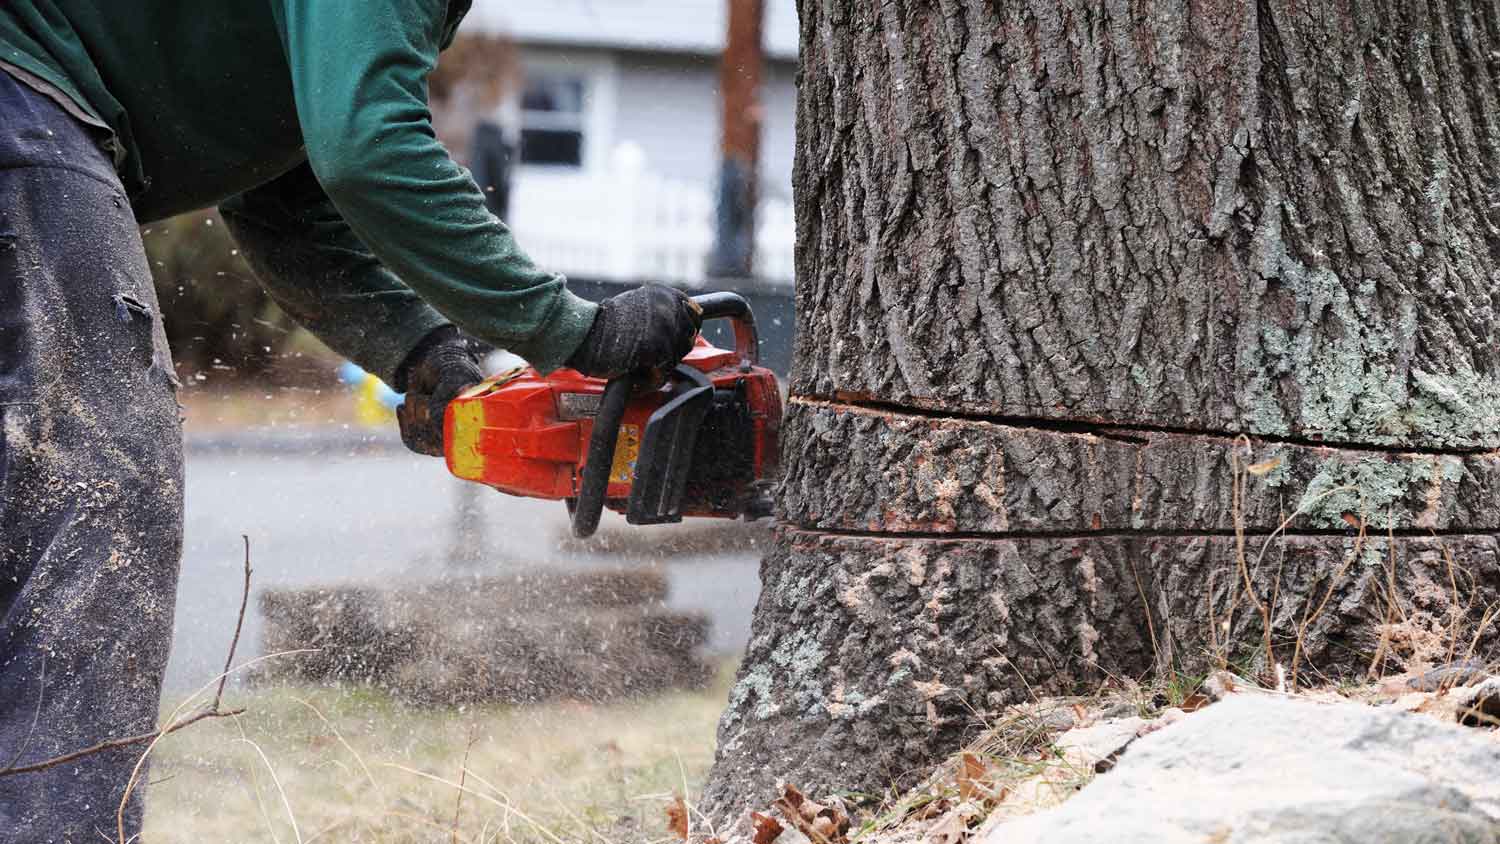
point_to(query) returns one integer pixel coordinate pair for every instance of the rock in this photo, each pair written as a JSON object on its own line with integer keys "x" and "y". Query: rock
{"x": 1447, "y": 676}
{"x": 1098, "y": 747}
{"x": 1167, "y": 718}
{"x": 1052, "y": 714}
{"x": 1276, "y": 771}
{"x": 1221, "y": 684}
{"x": 1122, "y": 709}
{"x": 1479, "y": 706}
{"x": 1475, "y": 705}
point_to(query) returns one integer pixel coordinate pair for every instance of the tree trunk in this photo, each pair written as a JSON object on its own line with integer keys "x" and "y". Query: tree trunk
{"x": 1123, "y": 328}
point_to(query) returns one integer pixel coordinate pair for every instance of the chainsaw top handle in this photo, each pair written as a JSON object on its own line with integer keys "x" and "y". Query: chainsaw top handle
{"x": 732, "y": 306}
{"x": 593, "y": 487}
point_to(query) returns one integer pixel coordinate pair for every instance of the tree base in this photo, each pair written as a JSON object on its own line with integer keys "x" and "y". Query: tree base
{"x": 872, "y": 657}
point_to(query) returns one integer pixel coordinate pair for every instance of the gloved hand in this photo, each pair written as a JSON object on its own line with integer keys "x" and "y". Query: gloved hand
{"x": 647, "y": 327}
{"x": 436, "y": 371}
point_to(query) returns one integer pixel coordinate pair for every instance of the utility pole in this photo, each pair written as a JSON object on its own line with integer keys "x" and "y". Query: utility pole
{"x": 739, "y": 91}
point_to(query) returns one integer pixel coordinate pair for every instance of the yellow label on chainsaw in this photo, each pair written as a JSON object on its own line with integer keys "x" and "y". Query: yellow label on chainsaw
{"x": 627, "y": 449}
{"x": 464, "y": 456}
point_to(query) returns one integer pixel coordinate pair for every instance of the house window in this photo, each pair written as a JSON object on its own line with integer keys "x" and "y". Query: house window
{"x": 552, "y": 120}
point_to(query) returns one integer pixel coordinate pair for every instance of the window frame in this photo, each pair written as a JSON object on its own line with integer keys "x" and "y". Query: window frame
{"x": 598, "y": 73}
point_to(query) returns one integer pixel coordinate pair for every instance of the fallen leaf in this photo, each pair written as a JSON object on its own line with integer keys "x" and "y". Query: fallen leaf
{"x": 792, "y": 799}
{"x": 1195, "y": 702}
{"x": 822, "y": 824}
{"x": 767, "y": 828}
{"x": 1265, "y": 467}
{"x": 952, "y": 829}
{"x": 970, "y": 777}
{"x": 931, "y": 809}
{"x": 677, "y": 818}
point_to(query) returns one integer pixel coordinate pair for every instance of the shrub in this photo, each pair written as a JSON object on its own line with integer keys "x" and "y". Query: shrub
{"x": 219, "y": 322}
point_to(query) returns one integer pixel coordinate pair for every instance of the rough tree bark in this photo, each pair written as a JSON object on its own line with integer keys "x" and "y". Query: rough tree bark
{"x": 1092, "y": 297}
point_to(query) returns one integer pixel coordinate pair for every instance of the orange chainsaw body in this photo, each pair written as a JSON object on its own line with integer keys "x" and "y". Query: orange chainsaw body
{"x": 528, "y": 434}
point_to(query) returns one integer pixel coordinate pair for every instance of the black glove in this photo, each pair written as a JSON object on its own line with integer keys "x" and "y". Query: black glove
{"x": 648, "y": 327}
{"x": 436, "y": 371}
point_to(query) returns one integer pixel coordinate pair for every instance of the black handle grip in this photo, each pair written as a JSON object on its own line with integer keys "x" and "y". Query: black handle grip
{"x": 594, "y": 486}
{"x": 733, "y": 306}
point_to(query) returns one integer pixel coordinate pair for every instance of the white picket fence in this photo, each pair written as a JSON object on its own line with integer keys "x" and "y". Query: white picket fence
{"x": 632, "y": 224}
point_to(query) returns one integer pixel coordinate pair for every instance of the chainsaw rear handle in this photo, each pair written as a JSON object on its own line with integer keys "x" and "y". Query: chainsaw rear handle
{"x": 593, "y": 487}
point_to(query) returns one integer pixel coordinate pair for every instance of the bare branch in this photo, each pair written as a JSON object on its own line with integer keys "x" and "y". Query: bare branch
{"x": 214, "y": 711}
{"x": 115, "y": 744}
{"x": 238, "y": 625}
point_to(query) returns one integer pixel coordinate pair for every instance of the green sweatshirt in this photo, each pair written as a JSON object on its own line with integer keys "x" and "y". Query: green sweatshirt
{"x": 308, "y": 120}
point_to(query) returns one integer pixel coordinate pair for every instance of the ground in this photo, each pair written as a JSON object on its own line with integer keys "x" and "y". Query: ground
{"x": 1038, "y": 756}
{"x": 336, "y": 764}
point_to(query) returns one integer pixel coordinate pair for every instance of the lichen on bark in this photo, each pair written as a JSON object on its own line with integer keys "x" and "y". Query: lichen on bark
{"x": 1243, "y": 218}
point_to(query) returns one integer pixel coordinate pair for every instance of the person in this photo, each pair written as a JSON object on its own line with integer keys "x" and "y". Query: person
{"x": 308, "y": 123}
{"x": 491, "y": 157}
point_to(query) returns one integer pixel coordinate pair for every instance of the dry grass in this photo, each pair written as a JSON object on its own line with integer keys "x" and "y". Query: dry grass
{"x": 1011, "y": 770}
{"x": 349, "y": 765}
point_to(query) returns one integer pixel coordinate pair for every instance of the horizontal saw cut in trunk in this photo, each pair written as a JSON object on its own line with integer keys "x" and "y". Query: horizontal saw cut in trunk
{"x": 1132, "y": 337}
{"x": 851, "y": 468}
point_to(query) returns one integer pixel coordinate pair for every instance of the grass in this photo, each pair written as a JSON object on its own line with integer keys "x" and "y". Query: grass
{"x": 351, "y": 765}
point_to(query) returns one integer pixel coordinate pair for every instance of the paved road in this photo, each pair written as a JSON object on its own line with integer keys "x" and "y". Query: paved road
{"x": 321, "y": 508}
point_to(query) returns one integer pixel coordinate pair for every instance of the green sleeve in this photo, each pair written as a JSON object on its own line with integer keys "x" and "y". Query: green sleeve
{"x": 309, "y": 261}
{"x": 359, "y": 80}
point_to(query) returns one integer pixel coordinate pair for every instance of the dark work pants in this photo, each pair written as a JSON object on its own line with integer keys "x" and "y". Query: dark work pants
{"x": 90, "y": 478}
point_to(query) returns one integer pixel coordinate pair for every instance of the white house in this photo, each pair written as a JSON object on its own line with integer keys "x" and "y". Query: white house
{"x": 619, "y": 123}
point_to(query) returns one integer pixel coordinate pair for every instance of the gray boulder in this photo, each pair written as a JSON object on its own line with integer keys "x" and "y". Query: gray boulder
{"x": 1285, "y": 771}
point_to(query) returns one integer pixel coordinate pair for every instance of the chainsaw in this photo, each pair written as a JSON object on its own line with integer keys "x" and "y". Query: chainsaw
{"x": 698, "y": 439}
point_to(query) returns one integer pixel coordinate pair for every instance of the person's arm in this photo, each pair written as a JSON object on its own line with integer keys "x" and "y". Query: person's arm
{"x": 359, "y": 80}
{"x": 324, "y": 278}
{"x": 306, "y": 257}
